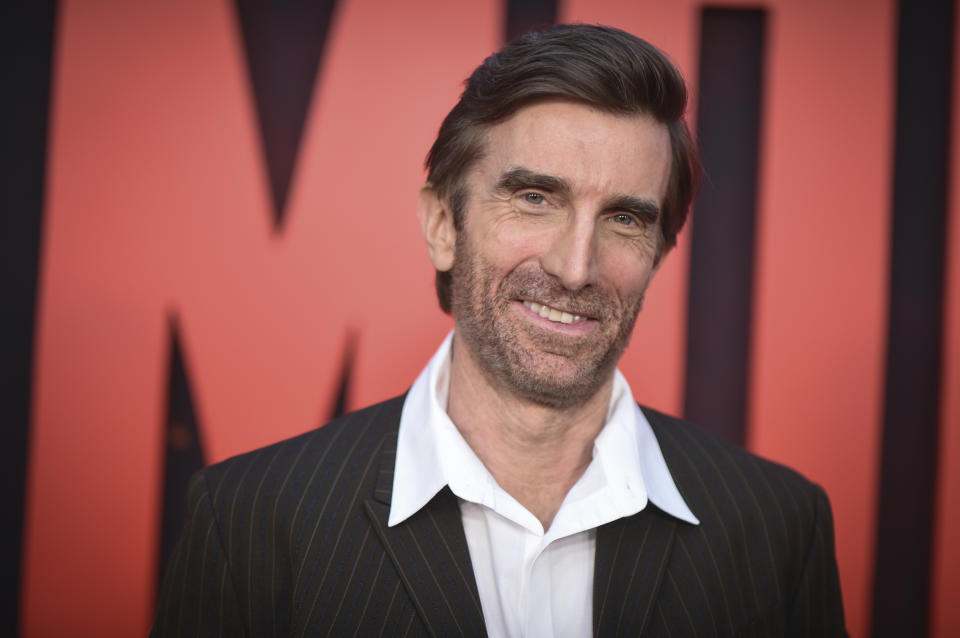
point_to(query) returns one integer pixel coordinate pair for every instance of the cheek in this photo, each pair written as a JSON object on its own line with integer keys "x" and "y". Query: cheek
{"x": 510, "y": 248}
{"x": 628, "y": 274}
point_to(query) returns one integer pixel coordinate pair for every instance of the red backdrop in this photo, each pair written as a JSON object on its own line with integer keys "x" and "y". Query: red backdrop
{"x": 158, "y": 204}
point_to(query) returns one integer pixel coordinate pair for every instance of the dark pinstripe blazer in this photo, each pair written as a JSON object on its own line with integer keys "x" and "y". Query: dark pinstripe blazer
{"x": 292, "y": 539}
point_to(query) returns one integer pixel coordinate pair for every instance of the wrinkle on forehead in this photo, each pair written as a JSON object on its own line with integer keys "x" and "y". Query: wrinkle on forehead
{"x": 600, "y": 154}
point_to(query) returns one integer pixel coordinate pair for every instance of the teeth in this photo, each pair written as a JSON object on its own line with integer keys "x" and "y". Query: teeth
{"x": 552, "y": 313}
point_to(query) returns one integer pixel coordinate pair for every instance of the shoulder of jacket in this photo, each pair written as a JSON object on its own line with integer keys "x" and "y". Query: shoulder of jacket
{"x": 686, "y": 446}
{"x": 363, "y": 429}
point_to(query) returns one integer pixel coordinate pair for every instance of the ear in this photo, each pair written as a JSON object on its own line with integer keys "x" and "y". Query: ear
{"x": 436, "y": 221}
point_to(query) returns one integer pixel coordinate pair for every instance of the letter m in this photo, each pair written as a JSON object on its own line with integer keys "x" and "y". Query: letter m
{"x": 158, "y": 205}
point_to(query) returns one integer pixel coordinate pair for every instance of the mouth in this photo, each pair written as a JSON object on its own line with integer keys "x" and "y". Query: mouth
{"x": 554, "y": 314}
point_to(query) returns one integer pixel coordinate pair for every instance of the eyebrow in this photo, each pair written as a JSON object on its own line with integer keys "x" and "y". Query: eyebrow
{"x": 519, "y": 178}
{"x": 646, "y": 210}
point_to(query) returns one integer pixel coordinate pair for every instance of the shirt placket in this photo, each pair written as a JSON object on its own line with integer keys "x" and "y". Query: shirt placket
{"x": 535, "y": 613}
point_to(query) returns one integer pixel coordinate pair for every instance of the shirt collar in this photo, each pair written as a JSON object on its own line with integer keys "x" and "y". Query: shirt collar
{"x": 626, "y": 448}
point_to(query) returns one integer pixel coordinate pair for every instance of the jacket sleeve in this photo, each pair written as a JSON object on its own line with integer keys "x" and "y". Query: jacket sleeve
{"x": 198, "y": 597}
{"x": 817, "y": 607}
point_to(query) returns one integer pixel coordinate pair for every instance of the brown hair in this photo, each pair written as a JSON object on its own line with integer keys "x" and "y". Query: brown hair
{"x": 601, "y": 66}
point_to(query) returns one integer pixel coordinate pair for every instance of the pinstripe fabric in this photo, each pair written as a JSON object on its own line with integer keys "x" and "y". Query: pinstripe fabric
{"x": 761, "y": 562}
{"x": 279, "y": 542}
{"x": 292, "y": 539}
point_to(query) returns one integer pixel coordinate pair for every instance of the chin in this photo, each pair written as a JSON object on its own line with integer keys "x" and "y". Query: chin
{"x": 553, "y": 386}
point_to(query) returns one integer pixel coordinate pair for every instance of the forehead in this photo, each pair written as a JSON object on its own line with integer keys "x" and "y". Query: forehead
{"x": 599, "y": 153}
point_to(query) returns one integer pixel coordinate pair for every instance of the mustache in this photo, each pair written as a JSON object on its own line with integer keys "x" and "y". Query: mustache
{"x": 538, "y": 286}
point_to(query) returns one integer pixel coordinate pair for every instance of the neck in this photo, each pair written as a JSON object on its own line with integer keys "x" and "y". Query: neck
{"x": 535, "y": 452}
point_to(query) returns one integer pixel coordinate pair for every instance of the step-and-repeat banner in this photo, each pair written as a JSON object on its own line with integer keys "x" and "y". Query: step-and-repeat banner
{"x": 205, "y": 283}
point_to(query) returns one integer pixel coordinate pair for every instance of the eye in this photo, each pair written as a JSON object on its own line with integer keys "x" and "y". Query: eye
{"x": 624, "y": 219}
{"x": 533, "y": 198}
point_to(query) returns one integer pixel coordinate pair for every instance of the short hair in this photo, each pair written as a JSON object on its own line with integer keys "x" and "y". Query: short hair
{"x": 603, "y": 67}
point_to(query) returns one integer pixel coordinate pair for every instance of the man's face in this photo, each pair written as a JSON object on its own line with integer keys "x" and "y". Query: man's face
{"x": 558, "y": 246}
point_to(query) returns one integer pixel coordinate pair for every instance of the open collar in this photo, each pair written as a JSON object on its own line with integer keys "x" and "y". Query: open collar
{"x": 432, "y": 454}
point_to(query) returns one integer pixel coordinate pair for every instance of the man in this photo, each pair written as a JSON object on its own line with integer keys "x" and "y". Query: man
{"x": 517, "y": 489}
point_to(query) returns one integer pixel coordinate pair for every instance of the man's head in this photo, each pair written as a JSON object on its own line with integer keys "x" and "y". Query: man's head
{"x": 602, "y": 67}
{"x": 555, "y": 187}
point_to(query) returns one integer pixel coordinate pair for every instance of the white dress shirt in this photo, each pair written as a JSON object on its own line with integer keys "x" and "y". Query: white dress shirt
{"x": 532, "y": 582}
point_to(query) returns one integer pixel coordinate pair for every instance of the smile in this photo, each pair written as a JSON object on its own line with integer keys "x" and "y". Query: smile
{"x": 553, "y": 314}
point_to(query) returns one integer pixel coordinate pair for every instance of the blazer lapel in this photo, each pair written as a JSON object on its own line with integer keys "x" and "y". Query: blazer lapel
{"x": 631, "y": 560}
{"x": 429, "y": 551}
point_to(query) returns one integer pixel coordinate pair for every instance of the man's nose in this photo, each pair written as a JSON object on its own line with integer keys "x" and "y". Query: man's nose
{"x": 572, "y": 255}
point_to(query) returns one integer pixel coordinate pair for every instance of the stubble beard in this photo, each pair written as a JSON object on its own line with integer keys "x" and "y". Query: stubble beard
{"x": 537, "y": 365}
